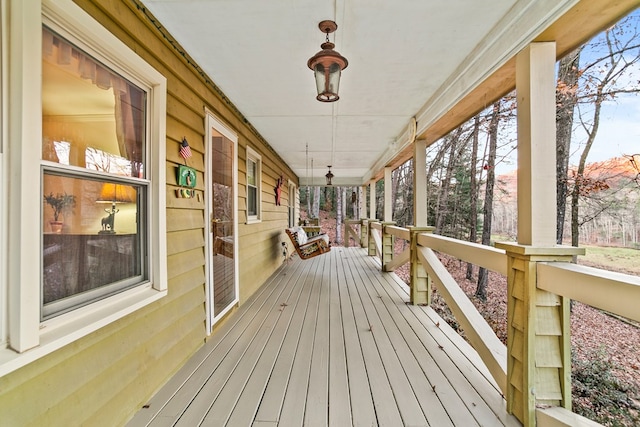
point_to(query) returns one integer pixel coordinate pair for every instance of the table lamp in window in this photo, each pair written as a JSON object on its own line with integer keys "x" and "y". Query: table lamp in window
{"x": 114, "y": 194}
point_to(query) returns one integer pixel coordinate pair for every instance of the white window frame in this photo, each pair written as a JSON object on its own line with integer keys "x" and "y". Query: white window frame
{"x": 254, "y": 156}
{"x": 292, "y": 203}
{"x": 28, "y": 337}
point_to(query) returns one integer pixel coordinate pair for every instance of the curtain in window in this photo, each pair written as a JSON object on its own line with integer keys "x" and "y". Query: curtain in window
{"x": 129, "y": 100}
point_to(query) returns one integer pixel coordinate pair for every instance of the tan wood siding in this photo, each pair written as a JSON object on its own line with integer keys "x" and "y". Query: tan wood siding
{"x": 104, "y": 378}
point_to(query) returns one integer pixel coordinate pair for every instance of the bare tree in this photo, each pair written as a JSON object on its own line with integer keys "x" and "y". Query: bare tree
{"x": 315, "y": 207}
{"x": 473, "y": 232}
{"x": 603, "y": 79}
{"x": 566, "y": 98}
{"x": 487, "y": 210}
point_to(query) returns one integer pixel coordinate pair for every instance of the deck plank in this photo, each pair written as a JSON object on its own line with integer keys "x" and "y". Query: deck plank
{"x": 480, "y": 396}
{"x": 384, "y": 401}
{"x": 426, "y": 390}
{"x": 274, "y": 394}
{"x": 405, "y": 396}
{"x": 251, "y": 397}
{"x": 240, "y": 398}
{"x": 331, "y": 341}
{"x": 223, "y": 365}
{"x": 295, "y": 399}
{"x": 339, "y": 405}
{"x": 173, "y": 397}
{"x": 362, "y": 409}
{"x": 317, "y": 404}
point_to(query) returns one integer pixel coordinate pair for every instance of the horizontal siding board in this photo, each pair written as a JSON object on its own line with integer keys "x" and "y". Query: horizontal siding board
{"x": 181, "y": 241}
{"x": 145, "y": 384}
{"x": 185, "y": 261}
{"x": 184, "y": 219}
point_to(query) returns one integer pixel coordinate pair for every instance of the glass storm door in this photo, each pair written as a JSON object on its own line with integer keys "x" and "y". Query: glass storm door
{"x": 222, "y": 255}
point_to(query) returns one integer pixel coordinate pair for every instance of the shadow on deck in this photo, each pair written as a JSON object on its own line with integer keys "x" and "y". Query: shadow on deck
{"x": 331, "y": 341}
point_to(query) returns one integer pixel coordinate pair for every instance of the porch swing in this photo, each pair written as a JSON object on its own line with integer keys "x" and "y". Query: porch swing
{"x": 307, "y": 247}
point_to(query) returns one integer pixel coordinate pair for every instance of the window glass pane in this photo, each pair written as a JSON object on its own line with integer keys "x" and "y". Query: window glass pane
{"x": 251, "y": 201}
{"x": 91, "y": 116}
{"x": 224, "y": 289}
{"x": 92, "y": 242}
{"x": 251, "y": 172}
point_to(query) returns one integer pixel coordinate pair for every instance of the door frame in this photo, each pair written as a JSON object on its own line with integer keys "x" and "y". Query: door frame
{"x": 213, "y": 122}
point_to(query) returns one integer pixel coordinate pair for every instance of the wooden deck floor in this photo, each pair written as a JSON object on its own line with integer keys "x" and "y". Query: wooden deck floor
{"x": 331, "y": 341}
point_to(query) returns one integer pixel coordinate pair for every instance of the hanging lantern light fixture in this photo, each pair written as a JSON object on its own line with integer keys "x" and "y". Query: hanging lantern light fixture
{"x": 327, "y": 66}
{"x": 329, "y": 176}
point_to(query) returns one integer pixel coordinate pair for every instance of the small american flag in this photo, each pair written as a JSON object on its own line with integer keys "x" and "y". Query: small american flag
{"x": 185, "y": 150}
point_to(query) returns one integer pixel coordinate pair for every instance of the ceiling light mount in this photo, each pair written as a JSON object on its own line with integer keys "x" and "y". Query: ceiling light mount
{"x": 327, "y": 65}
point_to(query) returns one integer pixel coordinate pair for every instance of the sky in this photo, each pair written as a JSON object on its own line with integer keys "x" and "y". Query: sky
{"x": 619, "y": 129}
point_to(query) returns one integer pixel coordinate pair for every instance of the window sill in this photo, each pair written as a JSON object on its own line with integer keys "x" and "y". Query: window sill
{"x": 254, "y": 221}
{"x": 65, "y": 329}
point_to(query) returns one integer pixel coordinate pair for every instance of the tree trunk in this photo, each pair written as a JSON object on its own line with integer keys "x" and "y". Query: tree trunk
{"x": 487, "y": 210}
{"x": 354, "y": 203}
{"x": 473, "y": 189}
{"x": 315, "y": 210}
{"x": 442, "y": 209}
{"x": 566, "y": 98}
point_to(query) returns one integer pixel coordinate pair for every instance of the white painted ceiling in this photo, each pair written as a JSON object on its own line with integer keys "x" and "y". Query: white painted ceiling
{"x": 401, "y": 54}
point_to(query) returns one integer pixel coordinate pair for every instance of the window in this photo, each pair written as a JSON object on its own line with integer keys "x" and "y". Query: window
{"x": 94, "y": 123}
{"x": 292, "y": 204}
{"x": 254, "y": 186}
{"x": 88, "y": 201}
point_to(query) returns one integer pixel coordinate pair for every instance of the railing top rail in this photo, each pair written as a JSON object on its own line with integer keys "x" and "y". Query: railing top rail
{"x": 376, "y": 225}
{"x": 485, "y": 256}
{"x": 617, "y": 293}
{"x": 394, "y": 230}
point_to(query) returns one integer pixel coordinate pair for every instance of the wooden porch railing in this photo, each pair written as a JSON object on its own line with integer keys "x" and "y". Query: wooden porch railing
{"x": 534, "y": 369}
{"x": 352, "y": 233}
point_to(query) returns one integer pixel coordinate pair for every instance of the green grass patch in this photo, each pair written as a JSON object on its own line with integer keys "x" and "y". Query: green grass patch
{"x": 624, "y": 260}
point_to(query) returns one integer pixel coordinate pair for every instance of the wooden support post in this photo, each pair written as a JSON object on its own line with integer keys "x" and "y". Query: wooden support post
{"x": 388, "y": 245}
{"x": 388, "y": 202}
{"x": 420, "y": 183}
{"x": 420, "y": 283}
{"x": 364, "y": 232}
{"x": 372, "y": 200}
{"x": 538, "y": 335}
{"x": 536, "y": 95}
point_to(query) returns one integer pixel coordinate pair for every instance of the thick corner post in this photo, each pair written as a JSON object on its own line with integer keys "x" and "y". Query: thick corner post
{"x": 538, "y": 334}
{"x": 371, "y": 243}
{"x": 364, "y": 232}
{"x": 388, "y": 243}
{"x": 538, "y": 346}
{"x": 420, "y": 283}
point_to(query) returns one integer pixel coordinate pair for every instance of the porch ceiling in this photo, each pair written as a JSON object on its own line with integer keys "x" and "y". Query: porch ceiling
{"x": 407, "y": 59}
